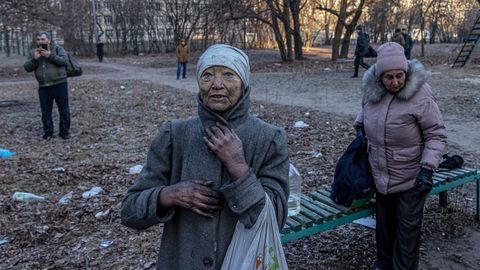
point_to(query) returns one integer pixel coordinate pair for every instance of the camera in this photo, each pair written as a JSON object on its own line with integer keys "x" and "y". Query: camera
{"x": 43, "y": 46}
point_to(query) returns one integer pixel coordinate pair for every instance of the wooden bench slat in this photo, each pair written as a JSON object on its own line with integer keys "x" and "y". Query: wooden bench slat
{"x": 438, "y": 180}
{"x": 305, "y": 221}
{"x": 317, "y": 195}
{"x": 457, "y": 173}
{"x": 449, "y": 175}
{"x": 440, "y": 176}
{"x": 332, "y": 210}
{"x": 467, "y": 170}
{"x": 294, "y": 225}
{"x": 286, "y": 229}
{"x": 316, "y": 218}
{"x": 315, "y": 208}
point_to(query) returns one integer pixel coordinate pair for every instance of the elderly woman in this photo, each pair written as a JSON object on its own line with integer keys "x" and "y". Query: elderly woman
{"x": 406, "y": 137}
{"x": 204, "y": 174}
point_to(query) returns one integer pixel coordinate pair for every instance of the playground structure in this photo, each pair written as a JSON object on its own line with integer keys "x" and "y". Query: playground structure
{"x": 469, "y": 45}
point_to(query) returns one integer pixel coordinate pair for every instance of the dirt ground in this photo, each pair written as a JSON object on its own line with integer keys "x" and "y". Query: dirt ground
{"x": 117, "y": 106}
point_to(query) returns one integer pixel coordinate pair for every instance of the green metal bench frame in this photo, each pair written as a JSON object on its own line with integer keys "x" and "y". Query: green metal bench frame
{"x": 318, "y": 213}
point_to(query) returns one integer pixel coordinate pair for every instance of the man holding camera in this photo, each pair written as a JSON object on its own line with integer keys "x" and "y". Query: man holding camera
{"x": 49, "y": 62}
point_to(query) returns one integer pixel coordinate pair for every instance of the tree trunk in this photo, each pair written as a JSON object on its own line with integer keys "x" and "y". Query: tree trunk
{"x": 286, "y": 27}
{"x": 339, "y": 29}
{"x": 350, "y": 28}
{"x": 328, "y": 41}
{"x": 6, "y": 36}
{"x": 295, "y": 9}
{"x": 346, "y": 42}
{"x": 308, "y": 38}
{"x": 205, "y": 33}
{"x": 336, "y": 40}
{"x": 278, "y": 37}
{"x": 422, "y": 30}
{"x": 433, "y": 31}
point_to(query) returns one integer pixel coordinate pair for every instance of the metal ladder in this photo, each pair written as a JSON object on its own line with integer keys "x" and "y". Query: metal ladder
{"x": 469, "y": 44}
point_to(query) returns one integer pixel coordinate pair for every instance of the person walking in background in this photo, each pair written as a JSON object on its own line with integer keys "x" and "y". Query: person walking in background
{"x": 398, "y": 37}
{"x": 49, "y": 62}
{"x": 406, "y": 136}
{"x": 183, "y": 55}
{"x": 408, "y": 42}
{"x": 361, "y": 50}
{"x": 100, "y": 51}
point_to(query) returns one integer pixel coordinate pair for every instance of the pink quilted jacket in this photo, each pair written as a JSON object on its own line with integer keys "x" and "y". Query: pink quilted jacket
{"x": 404, "y": 130}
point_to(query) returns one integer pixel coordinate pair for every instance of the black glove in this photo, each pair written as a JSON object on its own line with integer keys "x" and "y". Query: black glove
{"x": 424, "y": 183}
{"x": 451, "y": 162}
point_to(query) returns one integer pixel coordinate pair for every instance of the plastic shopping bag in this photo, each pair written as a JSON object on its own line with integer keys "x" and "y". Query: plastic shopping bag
{"x": 258, "y": 247}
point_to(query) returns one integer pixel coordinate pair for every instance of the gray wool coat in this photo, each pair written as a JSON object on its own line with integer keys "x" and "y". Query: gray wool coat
{"x": 405, "y": 130}
{"x": 178, "y": 153}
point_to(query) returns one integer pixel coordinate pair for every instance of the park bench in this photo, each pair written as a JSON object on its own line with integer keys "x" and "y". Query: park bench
{"x": 319, "y": 213}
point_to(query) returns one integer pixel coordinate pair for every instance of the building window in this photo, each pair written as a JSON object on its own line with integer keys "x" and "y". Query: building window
{"x": 107, "y": 5}
{"x": 108, "y": 20}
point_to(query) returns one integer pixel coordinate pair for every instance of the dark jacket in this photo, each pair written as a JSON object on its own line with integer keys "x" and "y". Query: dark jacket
{"x": 49, "y": 71}
{"x": 178, "y": 153}
{"x": 99, "y": 49}
{"x": 405, "y": 130}
{"x": 353, "y": 178}
{"x": 362, "y": 44}
{"x": 408, "y": 41}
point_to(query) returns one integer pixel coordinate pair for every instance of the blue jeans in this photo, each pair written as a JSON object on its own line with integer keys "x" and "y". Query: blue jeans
{"x": 179, "y": 67}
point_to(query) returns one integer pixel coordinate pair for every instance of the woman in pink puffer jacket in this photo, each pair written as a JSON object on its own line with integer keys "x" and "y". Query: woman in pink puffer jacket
{"x": 406, "y": 137}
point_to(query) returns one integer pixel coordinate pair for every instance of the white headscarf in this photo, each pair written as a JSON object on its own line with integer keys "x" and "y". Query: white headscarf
{"x": 226, "y": 56}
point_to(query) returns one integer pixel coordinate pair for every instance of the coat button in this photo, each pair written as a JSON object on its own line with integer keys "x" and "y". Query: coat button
{"x": 207, "y": 262}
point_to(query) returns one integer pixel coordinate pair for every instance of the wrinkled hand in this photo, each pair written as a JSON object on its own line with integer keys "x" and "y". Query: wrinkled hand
{"x": 195, "y": 195}
{"x": 424, "y": 183}
{"x": 36, "y": 54}
{"x": 45, "y": 53}
{"x": 227, "y": 146}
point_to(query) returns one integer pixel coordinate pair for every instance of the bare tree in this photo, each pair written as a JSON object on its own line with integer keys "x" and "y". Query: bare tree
{"x": 288, "y": 25}
{"x": 348, "y": 14}
{"x": 278, "y": 15}
{"x": 183, "y": 17}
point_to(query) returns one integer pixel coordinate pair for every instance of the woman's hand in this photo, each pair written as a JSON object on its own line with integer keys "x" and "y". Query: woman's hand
{"x": 195, "y": 195}
{"x": 423, "y": 183}
{"x": 228, "y": 147}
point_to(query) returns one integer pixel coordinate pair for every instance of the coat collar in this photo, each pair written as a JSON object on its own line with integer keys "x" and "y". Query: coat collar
{"x": 231, "y": 118}
{"x": 373, "y": 89}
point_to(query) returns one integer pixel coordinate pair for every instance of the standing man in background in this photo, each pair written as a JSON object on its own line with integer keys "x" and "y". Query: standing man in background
{"x": 49, "y": 62}
{"x": 361, "y": 50}
{"x": 183, "y": 55}
{"x": 100, "y": 51}
{"x": 408, "y": 42}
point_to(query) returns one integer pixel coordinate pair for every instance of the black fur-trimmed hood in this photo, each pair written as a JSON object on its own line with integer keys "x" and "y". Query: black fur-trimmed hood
{"x": 373, "y": 89}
